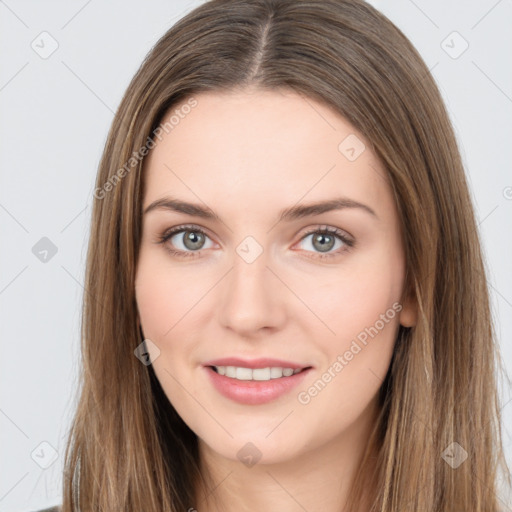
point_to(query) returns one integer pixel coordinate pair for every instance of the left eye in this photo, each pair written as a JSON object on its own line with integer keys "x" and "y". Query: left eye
{"x": 323, "y": 240}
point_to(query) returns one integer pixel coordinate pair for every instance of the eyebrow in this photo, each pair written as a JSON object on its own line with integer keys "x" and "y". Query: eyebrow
{"x": 288, "y": 214}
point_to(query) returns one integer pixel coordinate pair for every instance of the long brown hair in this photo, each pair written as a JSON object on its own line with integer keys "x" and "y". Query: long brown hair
{"x": 128, "y": 449}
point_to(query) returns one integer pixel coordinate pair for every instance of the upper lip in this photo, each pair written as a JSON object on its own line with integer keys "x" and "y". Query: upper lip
{"x": 262, "y": 362}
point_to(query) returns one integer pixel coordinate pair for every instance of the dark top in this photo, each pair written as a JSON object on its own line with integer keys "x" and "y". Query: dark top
{"x": 56, "y": 508}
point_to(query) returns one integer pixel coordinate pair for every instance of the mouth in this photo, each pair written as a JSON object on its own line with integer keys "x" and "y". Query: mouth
{"x": 255, "y": 386}
{"x": 256, "y": 374}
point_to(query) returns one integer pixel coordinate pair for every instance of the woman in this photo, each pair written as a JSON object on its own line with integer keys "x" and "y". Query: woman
{"x": 286, "y": 302}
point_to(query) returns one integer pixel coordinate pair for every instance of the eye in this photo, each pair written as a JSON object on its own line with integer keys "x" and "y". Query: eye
{"x": 325, "y": 238}
{"x": 189, "y": 240}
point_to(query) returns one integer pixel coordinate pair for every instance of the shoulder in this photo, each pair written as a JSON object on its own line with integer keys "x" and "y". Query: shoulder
{"x": 56, "y": 508}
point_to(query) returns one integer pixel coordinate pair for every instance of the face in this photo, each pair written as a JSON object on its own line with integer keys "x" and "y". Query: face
{"x": 249, "y": 272}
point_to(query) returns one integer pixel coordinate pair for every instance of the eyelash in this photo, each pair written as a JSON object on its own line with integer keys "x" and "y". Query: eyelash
{"x": 167, "y": 235}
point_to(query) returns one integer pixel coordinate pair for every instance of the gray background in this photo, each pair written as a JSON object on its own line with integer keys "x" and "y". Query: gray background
{"x": 56, "y": 112}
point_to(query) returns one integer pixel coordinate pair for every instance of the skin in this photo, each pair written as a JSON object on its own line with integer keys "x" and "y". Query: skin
{"x": 247, "y": 155}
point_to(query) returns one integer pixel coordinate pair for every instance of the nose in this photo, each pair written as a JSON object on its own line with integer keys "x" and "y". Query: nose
{"x": 252, "y": 298}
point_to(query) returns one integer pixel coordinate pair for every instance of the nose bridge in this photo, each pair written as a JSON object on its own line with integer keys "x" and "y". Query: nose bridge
{"x": 250, "y": 297}
{"x": 249, "y": 275}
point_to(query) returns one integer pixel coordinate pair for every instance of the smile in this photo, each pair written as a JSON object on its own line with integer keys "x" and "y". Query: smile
{"x": 254, "y": 386}
{"x": 261, "y": 374}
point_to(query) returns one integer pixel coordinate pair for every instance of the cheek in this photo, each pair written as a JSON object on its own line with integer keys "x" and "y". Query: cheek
{"x": 360, "y": 312}
{"x": 353, "y": 301}
{"x": 154, "y": 303}
{"x": 164, "y": 296}
{"x": 354, "y": 362}
{"x": 169, "y": 300}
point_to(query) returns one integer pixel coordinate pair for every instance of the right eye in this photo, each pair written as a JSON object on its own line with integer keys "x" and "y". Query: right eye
{"x": 189, "y": 240}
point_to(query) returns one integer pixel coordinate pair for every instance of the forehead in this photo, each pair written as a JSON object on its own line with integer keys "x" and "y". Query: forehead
{"x": 259, "y": 149}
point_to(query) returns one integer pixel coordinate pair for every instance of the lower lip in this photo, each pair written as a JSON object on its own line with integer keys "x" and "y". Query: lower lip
{"x": 254, "y": 392}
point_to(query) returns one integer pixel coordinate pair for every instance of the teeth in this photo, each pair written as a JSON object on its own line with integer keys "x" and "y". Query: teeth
{"x": 241, "y": 373}
{"x": 275, "y": 373}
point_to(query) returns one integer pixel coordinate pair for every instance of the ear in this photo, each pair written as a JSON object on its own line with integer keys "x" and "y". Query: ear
{"x": 409, "y": 314}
